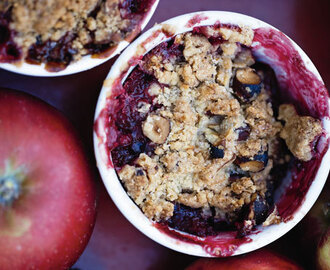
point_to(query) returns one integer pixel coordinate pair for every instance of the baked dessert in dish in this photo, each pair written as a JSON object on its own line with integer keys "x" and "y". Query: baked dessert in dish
{"x": 59, "y": 32}
{"x": 198, "y": 137}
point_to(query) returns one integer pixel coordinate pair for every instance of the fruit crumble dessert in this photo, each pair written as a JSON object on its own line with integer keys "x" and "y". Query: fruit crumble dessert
{"x": 58, "y": 32}
{"x": 198, "y": 137}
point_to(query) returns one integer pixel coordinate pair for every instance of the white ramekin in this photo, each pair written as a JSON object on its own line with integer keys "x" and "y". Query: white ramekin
{"x": 132, "y": 212}
{"x": 85, "y": 63}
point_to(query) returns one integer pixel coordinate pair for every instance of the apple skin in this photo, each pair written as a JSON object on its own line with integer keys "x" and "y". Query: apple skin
{"x": 262, "y": 259}
{"x": 313, "y": 227}
{"x": 50, "y": 224}
{"x": 323, "y": 252}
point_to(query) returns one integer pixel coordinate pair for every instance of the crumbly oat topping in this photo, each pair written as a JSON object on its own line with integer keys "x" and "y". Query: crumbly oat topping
{"x": 97, "y": 22}
{"x": 299, "y": 132}
{"x": 202, "y": 112}
{"x": 213, "y": 130}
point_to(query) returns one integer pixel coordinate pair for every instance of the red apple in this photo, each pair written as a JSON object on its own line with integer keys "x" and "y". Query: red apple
{"x": 323, "y": 252}
{"x": 314, "y": 226}
{"x": 262, "y": 259}
{"x": 47, "y": 194}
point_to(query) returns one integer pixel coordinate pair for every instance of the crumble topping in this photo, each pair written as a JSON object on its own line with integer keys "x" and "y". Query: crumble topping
{"x": 213, "y": 140}
{"x": 89, "y": 26}
{"x": 299, "y": 132}
{"x": 202, "y": 112}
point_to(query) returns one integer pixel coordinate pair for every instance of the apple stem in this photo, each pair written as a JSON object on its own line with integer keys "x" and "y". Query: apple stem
{"x": 10, "y": 189}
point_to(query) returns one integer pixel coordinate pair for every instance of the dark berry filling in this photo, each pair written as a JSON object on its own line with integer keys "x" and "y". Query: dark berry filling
{"x": 98, "y": 48}
{"x": 56, "y": 54}
{"x": 216, "y": 152}
{"x": 194, "y": 221}
{"x": 270, "y": 84}
{"x": 9, "y": 52}
{"x": 127, "y": 120}
{"x": 131, "y": 8}
{"x": 243, "y": 133}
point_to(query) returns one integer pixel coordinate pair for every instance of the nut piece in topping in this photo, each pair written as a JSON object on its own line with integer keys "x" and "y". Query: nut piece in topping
{"x": 299, "y": 132}
{"x": 154, "y": 89}
{"x": 246, "y": 84}
{"x": 255, "y": 164}
{"x": 227, "y": 107}
{"x": 156, "y": 128}
{"x": 273, "y": 218}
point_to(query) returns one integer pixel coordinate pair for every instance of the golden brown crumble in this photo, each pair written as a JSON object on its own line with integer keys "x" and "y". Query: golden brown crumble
{"x": 199, "y": 112}
{"x": 299, "y": 132}
{"x": 53, "y": 19}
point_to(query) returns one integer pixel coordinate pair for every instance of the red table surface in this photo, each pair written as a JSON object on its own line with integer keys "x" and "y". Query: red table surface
{"x": 115, "y": 243}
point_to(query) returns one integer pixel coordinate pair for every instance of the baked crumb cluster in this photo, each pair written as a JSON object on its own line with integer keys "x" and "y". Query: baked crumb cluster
{"x": 299, "y": 131}
{"x": 85, "y": 26}
{"x": 213, "y": 129}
